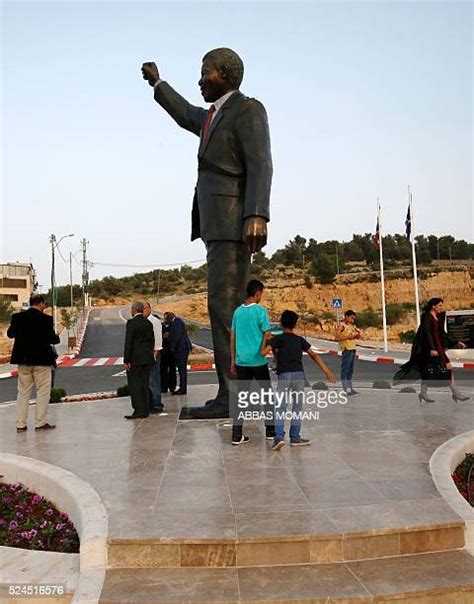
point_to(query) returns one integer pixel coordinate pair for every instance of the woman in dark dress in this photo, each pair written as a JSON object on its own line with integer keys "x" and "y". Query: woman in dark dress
{"x": 429, "y": 361}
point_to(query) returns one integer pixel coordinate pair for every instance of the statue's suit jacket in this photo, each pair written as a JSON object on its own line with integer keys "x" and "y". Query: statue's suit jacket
{"x": 234, "y": 163}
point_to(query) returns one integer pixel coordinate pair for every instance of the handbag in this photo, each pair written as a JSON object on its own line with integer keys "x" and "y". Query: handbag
{"x": 434, "y": 370}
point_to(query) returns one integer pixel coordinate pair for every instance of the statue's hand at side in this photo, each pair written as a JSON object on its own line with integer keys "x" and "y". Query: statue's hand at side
{"x": 150, "y": 73}
{"x": 255, "y": 233}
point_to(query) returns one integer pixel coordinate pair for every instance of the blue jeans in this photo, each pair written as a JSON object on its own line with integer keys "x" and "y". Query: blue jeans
{"x": 292, "y": 384}
{"x": 347, "y": 368}
{"x": 154, "y": 385}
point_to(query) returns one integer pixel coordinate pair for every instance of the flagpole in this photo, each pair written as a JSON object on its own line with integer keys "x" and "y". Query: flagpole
{"x": 382, "y": 280}
{"x": 413, "y": 253}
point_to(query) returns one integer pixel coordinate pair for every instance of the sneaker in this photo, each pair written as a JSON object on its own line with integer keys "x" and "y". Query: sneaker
{"x": 22, "y": 429}
{"x": 46, "y": 426}
{"x": 270, "y": 432}
{"x": 278, "y": 443}
{"x": 299, "y": 442}
{"x": 353, "y": 392}
{"x": 241, "y": 440}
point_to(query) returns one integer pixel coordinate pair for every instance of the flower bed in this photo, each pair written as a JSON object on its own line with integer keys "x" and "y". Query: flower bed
{"x": 463, "y": 477}
{"x": 32, "y": 522}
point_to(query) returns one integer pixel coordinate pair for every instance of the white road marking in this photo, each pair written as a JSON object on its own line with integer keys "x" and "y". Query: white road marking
{"x": 120, "y": 374}
{"x": 120, "y": 314}
{"x": 81, "y": 362}
{"x": 101, "y": 361}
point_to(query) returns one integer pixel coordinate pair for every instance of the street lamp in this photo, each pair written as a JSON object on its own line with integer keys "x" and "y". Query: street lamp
{"x": 55, "y": 244}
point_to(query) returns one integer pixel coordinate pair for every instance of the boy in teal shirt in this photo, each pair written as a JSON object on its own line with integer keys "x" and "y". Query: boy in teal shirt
{"x": 250, "y": 324}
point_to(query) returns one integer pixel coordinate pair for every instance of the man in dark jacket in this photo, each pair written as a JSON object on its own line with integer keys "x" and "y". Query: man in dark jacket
{"x": 168, "y": 361}
{"x": 138, "y": 358}
{"x": 34, "y": 354}
{"x": 180, "y": 346}
{"x": 231, "y": 201}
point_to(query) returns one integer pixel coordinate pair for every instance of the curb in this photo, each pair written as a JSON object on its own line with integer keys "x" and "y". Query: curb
{"x": 83, "y": 505}
{"x": 443, "y": 462}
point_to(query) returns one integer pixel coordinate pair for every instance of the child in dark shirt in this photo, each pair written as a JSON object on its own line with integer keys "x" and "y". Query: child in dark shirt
{"x": 288, "y": 349}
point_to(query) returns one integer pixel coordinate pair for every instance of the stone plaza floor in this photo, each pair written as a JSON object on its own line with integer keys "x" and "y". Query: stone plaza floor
{"x": 178, "y": 494}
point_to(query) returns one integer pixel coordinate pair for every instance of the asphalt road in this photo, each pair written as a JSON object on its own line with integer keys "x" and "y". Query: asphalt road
{"x": 105, "y": 336}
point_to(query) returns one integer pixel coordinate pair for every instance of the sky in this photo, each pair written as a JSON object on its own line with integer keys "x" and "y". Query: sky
{"x": 363, "y": 99}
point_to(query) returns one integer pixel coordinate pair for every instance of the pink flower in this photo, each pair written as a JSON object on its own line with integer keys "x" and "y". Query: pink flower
{"x": 49, "y": 512}
{"x": 13, "y": 525}
{"x": 37, "y": 499}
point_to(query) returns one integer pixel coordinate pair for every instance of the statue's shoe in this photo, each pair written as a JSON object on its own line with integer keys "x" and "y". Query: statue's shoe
{"x": 220, "y": 399}
{"x": 215, "y": 410}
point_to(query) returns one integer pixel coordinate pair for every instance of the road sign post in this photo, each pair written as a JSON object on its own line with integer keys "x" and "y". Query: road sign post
{"x": 337, "y": 305}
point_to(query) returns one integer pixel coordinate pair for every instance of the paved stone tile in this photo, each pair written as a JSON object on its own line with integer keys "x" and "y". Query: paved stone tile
{"x": 171, "y": 585}
{"x": 410, "y": 573}
{"x": 302, "y": 582}
{"x": 367, "y": 469}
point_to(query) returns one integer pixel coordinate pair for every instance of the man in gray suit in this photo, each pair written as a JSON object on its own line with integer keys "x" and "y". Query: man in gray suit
{"x": 232, "y": 196}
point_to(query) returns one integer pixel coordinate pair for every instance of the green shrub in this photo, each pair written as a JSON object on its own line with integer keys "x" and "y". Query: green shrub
{"x": 320, "y": 386}
{"x": 308, "y": 282}
{"x": 368, "y": 318}
{"x": 407, "y": 337}
{"x": 191, "y": 328}
{"x": 328, "y": 316}
{"x": 407, "y": 390}
{"x": 56, "y": 395}
{"x": 381, "y": 385}
{"x": 123, "y": 391}
{"x": 394, "y": 313}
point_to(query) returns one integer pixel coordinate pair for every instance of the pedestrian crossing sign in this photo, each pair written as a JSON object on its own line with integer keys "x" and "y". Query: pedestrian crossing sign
{"x": 337, "y": 302}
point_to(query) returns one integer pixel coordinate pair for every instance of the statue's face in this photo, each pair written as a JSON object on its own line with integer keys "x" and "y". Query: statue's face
{"x": 213, "y": 83}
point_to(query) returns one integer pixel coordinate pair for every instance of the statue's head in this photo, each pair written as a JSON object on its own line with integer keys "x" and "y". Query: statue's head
{"x": 222, "y": 71}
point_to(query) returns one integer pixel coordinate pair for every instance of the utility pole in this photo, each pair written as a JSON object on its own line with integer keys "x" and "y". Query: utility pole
{"x": 52, "y": 241}
{"x": 70, "y": 279}
{"x": 85, "y": 273}
{"x": 54, "y": 244}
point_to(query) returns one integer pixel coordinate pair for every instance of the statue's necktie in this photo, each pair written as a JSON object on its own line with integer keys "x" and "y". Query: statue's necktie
{"x": 207, "y": 122}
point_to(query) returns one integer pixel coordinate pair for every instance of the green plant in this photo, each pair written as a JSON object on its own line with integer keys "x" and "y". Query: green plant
{"x": 191, "y": 329}
{"x": 368, "y": 318}
{"x": 381, "y": 385}
{"x": 407, "y": 337}
{"x": 407, "y": 390}
{"x": 328, "y": 316}
{"x": 394, "y": 313}
{"x": 6, "y": 309}
{"x": 123, "y": 391}
{"x": 324, "y": 268}
{"x": 308, "y": 282}
{"x": 69, "y": 318}
{"x": 56, "y": 395}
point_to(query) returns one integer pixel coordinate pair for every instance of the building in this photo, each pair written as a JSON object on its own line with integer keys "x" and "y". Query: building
{"x": 17, "y": 283}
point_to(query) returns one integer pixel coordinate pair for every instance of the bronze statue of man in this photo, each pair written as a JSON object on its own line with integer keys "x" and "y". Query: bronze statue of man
{"x": 232, "y": 196}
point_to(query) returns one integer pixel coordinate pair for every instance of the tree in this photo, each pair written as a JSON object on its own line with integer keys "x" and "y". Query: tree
{"x": 69, "y": 318}
{"x": 423, "y": 254}
{"x": 324, "y": 268}
{"x": 6, "y": 309}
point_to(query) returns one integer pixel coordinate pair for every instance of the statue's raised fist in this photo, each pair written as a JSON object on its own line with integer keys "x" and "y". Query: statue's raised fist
{"x": 150, "y": 73}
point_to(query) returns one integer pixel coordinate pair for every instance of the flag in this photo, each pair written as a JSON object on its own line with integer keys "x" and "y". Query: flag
{"x": 376, "y": 237}
{"x": 408, "y": 224}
